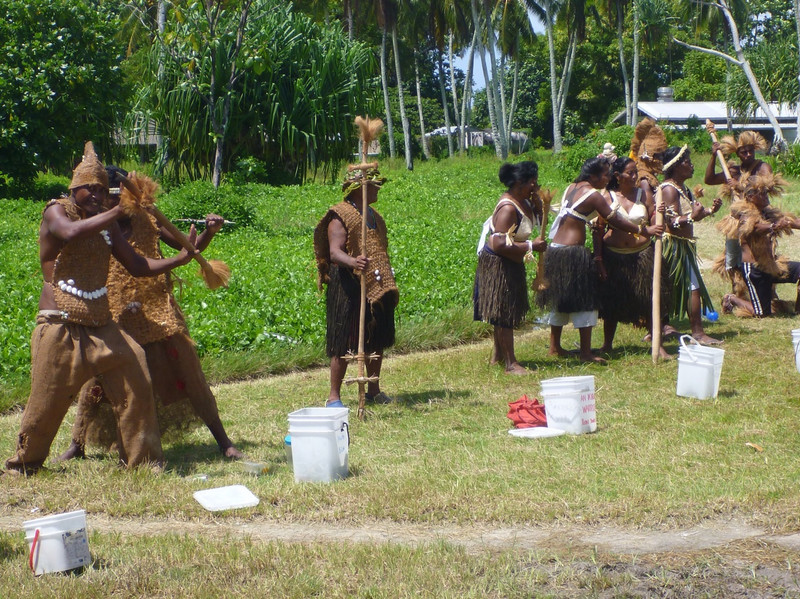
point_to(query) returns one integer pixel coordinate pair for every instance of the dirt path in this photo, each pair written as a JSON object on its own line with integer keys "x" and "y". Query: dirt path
{"x": 476, "y": 539}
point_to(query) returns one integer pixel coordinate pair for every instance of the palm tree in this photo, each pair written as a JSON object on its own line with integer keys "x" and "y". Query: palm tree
{"x": 515, "y": 29}
{"x": 573, "y": 14}
{"x": 485, "y": 38}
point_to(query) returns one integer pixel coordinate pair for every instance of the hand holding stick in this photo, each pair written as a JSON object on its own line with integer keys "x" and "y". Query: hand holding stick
{"x": 539, "y": 283}
{"x": 215, "y": 272}
{"x": 712, "y": 131}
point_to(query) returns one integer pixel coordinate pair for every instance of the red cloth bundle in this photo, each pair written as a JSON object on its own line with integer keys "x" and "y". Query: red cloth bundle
{"x": 527, "y": 413}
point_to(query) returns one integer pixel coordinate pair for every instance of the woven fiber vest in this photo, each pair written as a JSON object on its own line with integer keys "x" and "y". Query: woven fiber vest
{"x": 380, "y": 278}
{"x": 79, "y": 275}
{"x": 144, "y": 306}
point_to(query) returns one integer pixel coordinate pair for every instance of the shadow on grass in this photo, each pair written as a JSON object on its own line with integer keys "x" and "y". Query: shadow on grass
{"x": 432, "y": 395}
{"x": 182, "y": 457}
{"x": 8, "y": 552}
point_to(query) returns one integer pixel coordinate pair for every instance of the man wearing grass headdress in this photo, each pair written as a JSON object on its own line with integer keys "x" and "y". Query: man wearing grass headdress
{"x": 75, "y": 338}
{"x": 757, "y": 225}
{"x": 744, "y": 148}
{"x": 146, "y": 309}
{"x": 337, "y": 247}
{"x": 680, "y": 247}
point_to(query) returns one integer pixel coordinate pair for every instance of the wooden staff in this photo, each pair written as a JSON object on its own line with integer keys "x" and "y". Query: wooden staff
{"x": 712, "y": 131}
{"x": 369, "y": 130}
{"x": 215, "y": 273}
{"x": 655, "y": 320}
{"x": 539, "y": 283}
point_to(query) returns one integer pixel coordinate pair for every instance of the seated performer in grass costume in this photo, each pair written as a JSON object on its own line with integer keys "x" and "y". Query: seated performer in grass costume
{"x": 337, "y": 247}
{"x": 757, "y": 225}
{"x": 680, "y": 246}
{"x": 500, "y": 293}
{"x": 75, "y": 338}
{"x": 146, "y": 309}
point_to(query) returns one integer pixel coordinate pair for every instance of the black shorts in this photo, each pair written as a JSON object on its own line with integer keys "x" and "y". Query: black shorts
{"x": 759, "y": 285}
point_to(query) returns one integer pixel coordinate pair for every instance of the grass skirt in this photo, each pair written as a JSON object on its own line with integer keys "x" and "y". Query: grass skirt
{"x": 627, "y": 293}
{"x": 500, "y": 295}
{"x": 343, "y": 296}
{"x": 572, "y": 278}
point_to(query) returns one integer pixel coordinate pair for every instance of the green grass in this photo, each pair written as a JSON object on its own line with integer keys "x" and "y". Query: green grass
{"x": 440, "y": 458}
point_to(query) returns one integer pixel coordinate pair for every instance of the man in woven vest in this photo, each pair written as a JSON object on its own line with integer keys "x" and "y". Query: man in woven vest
{"x": 146, "y": 309}
{"x": 337, "y": 246}
{"x": 75, "y": 338}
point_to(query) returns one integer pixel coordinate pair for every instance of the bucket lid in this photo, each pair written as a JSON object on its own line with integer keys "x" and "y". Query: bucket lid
{"x": 536, "y": 432}
{"x": 53, "y": 518}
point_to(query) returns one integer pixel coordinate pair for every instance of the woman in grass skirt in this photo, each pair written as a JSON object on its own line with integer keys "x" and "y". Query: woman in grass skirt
{"x": 626, "y": 266}
{"x": 500, "y": 294}
{"x": 570, "y": 268}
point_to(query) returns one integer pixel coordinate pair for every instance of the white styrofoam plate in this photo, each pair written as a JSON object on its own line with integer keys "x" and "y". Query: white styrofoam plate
{"x": 536, "y": 432}
{"x": 226, "y": 498}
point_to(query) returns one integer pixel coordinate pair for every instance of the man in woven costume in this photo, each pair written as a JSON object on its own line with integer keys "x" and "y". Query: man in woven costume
{"x": 337, "y": 247}
{"x": 146, "y": 309}
{"x": 744, "y": 148}
{"x": 75, "y": 338}
{"x": 756, "y": 226}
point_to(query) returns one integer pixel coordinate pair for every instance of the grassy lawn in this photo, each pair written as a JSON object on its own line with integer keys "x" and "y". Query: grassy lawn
{"x": 440, "y": 459}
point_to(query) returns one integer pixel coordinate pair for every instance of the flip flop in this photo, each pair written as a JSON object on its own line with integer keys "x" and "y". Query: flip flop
{"x": 335, "y": 404}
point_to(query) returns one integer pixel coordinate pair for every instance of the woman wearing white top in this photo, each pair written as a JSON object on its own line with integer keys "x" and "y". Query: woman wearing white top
{"x": 570, "y": 268}
{"x": 626, "y": 265}
{"x": 500, "y": 293}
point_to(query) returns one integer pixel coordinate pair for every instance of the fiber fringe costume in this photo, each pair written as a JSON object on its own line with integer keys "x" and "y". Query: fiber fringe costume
{"x": 146, "y": 308}
{"x": 754, "y": 281}
{"x": 79, "y": 341}
{"x": 680, "y": 254}
{"x": 343, "y": 293}
{"x": 500, "y": 294}
{"x": 569, "y": 269}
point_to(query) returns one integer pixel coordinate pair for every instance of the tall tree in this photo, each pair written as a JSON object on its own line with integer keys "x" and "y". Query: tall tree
{"x": 740, "y": 60}
{"x": 572, "y": 12}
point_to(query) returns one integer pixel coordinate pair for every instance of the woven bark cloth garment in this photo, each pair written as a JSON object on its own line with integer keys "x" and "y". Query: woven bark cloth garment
{"x": 64, "y": 355}
{"x": 80, "y": 273}
{"x": 343, "y": 293}
{"x": 627, "y": 293}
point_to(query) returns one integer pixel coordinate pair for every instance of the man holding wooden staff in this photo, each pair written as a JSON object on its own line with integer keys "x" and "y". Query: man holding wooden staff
{"x": 340, "y": 262}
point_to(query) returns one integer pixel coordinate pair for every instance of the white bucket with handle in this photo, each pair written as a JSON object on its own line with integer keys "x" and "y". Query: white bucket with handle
{"x": 699, "y": 369}
{"x": 796, "y": 344}
{"x": 569, "y": 404}
{"x": 57, "y": 543}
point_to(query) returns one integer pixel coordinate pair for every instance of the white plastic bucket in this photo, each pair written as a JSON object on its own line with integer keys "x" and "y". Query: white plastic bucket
{"x": 699, "y": 369}
{"x": 57, "y": 543}
{"x": 569, "y": 404}
{"x": 796, "y": 344}
{"x": 320, "y": 444}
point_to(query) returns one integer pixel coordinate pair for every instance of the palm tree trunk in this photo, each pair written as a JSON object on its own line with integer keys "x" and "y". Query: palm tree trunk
{"x": 465, "y": 98}
{"x": 510, "y": 122}
{"x": 625, "y": 81}
{"x": 490, "y": 103}
{"x": 425, "y": 151}
{"x": 443, "y": 93}
{"x": 557, "y": 143}
{"x": 636, "y": 60}
{"x": 403, "y": 117}
{"x": 453, "y": 88}
{"x": 497, "y": 88}
{"x": 566, "y": 76}
{"x": 387, "y": 106}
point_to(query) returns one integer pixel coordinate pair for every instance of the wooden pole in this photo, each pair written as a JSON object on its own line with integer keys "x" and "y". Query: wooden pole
{"x": 655, "y": 320}
{"x": 361, "y": 357}
{"x": 712, "y": 131}
{"x": 539, "y": 283}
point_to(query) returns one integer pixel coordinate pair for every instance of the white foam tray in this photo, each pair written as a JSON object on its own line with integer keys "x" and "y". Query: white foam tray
{"x": 226, "y": 498}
